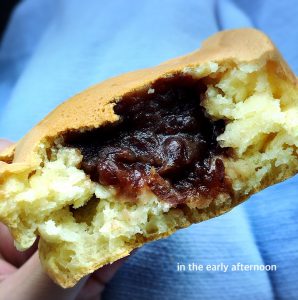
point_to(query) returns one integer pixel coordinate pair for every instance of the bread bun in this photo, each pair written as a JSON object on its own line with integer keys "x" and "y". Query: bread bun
{"x": 85, "y": 223}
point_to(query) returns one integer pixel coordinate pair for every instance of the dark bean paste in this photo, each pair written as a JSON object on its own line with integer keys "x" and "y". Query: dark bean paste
{"x": 163, "y": 142}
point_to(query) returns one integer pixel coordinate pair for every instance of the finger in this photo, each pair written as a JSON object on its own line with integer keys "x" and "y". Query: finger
{"x": 105, "y": 274}
{"x": 33, "y": 284}
{"x": 8, "y": 250}
{"x": 98, "y": 280}
{"x": 6, "y": 269}
{"x": 4, "y": 144}
{"x": 92, "y": 289}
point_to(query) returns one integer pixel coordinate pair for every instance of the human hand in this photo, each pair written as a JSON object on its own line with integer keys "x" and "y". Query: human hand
{"x": 22, "y": 276}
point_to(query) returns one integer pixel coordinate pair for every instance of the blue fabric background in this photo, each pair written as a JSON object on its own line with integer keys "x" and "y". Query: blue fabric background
{"x": 54, "y": 48}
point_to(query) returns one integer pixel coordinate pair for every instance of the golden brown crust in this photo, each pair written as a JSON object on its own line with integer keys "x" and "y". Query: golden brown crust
{"x": 95, "y": 105}
{"x": 6, "y": 155}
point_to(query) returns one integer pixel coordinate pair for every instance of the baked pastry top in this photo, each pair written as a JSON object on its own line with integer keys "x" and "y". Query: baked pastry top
{"x": 141, "y": 155}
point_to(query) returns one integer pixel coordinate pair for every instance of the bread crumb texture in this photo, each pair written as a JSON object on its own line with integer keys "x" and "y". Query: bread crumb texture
{"x": 261, "y": 113}
{"x": 83, "y": 225}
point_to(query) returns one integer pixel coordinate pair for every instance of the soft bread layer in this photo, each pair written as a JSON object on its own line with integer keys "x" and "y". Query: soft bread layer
{"x": 261, "y": 112}
{"x": 58, "y": 182}
{"x": 83, "y": 225}
{"x": 77, "y": 231}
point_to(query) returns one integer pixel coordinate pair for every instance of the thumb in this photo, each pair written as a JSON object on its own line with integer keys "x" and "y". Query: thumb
{"x": 4, "y": 144}
{"x": 30, "y": 282}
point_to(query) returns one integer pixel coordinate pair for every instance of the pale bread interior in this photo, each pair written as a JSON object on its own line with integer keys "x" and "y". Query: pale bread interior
{"x": 83, "y": 225}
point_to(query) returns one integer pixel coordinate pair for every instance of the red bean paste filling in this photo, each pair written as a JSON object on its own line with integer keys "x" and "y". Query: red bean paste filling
{"x": 164, "y": 141}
